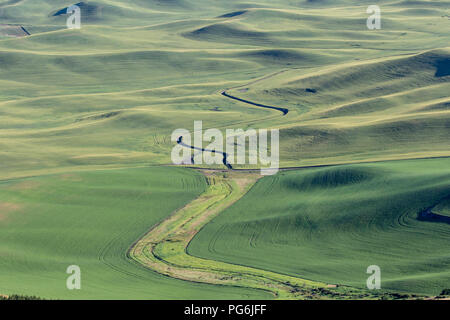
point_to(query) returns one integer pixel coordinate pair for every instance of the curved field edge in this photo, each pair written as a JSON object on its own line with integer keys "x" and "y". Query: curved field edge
{"x": 89, "y": 219}
{"x": 329, "y": 224}
{"x": 164, "y": 249}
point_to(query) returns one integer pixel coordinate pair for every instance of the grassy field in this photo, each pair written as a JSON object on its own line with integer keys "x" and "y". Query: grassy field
{"x": 164, "y": 248}
{"x": 111, "y": 93}
{"x": 330, "y": 224}
{"x": 391, "y": 108}
{"x": 86, "y": 118}
{"x": 90, "y": 219}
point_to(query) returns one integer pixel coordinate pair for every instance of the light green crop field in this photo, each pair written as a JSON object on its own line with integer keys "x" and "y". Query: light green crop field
{"x": 330, "y": 224}
{"x": 86, "y": 117}
{"x": 111, "y": 93}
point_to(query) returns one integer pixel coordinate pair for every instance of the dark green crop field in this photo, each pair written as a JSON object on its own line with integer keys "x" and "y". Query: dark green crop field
{"x": 330, "y": 224}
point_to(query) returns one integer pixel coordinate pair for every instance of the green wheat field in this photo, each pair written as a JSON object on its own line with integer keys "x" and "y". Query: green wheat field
{"x": 86, "y": 118}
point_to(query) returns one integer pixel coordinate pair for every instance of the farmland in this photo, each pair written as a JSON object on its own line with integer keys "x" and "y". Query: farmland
{"x": 91, "y": 219}
{"x": 330, "y": 224}
{"x": 86, "y": 175}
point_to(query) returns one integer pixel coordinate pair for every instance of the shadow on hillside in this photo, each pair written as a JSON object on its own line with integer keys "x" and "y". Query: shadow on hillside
{"x": 429, "y": 216}
{"x": 442, "y": 68}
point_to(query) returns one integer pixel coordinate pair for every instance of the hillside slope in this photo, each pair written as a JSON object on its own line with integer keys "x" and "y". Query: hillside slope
{"x": 330, "y": 224}
{"x": 111, "y": 93}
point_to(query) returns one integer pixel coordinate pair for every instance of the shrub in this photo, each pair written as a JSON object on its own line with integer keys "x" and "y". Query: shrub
{"x": 445, "y": 292}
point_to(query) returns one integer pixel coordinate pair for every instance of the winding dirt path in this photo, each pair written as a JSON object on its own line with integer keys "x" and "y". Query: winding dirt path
{"x": 284, "y": 111}
{"x": 224, "y": 154}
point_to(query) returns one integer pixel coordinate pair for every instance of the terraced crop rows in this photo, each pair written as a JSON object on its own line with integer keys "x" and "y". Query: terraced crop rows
{"x": 95, "y": 101}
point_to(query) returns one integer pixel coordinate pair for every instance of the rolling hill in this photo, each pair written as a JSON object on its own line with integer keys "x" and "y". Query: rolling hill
{"x": 86, "y": 118}
{"x": 330, "y": 224}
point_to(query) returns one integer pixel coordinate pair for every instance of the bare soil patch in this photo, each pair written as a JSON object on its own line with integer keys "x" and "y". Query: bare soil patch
{"x": 70, "y": 177}
{"x": 25, "y": 185}
{"x": 6, "y": 208}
